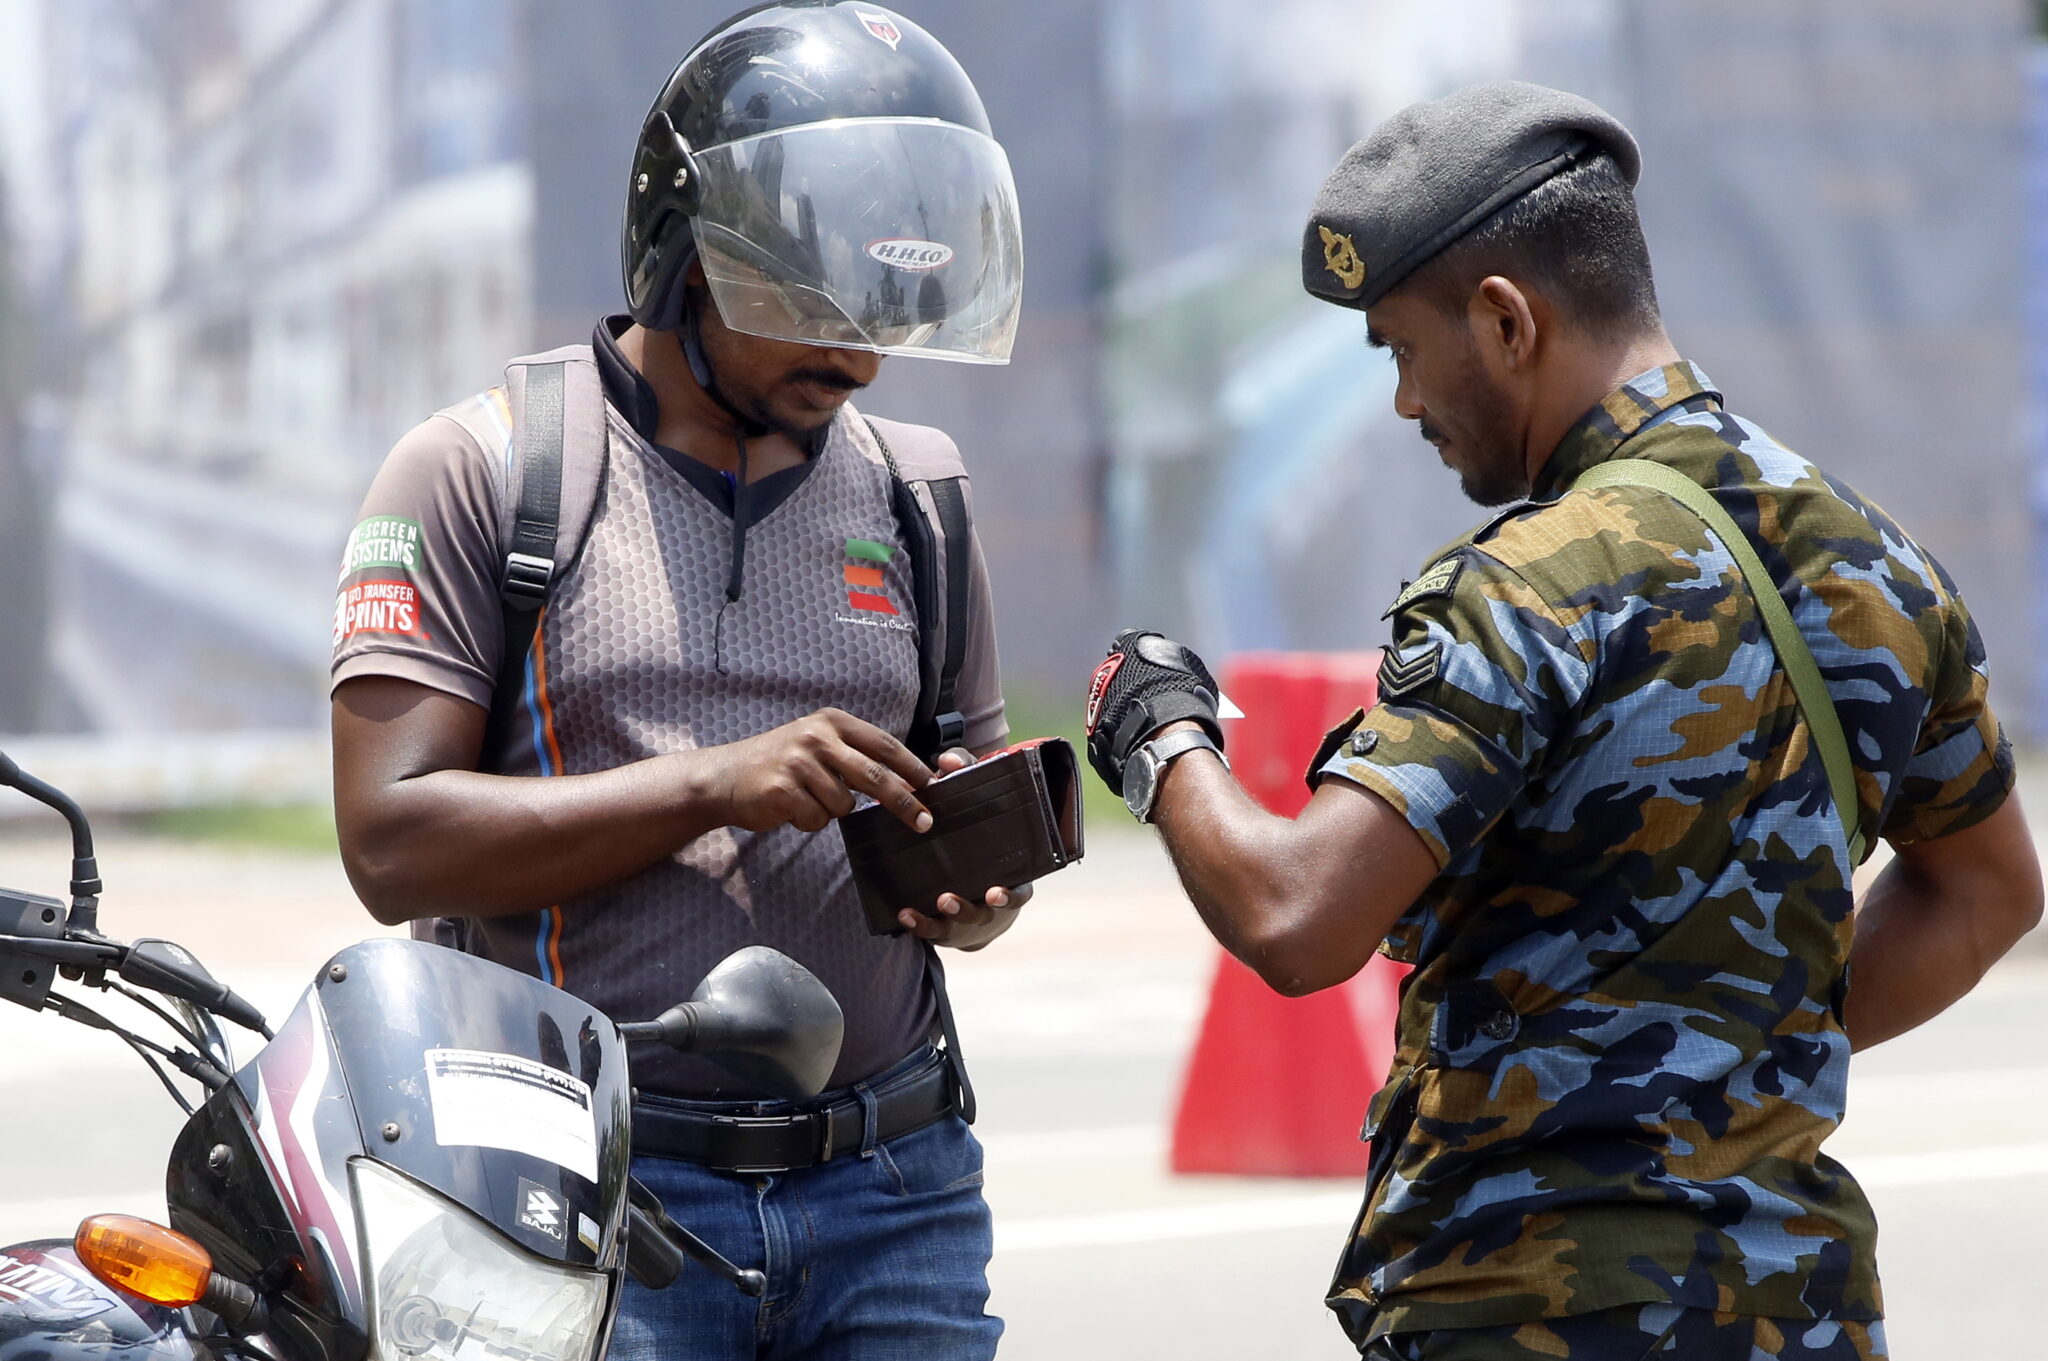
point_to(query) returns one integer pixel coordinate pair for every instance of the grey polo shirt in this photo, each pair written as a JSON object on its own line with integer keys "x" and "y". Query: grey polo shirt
{"x": 632, "y": 660}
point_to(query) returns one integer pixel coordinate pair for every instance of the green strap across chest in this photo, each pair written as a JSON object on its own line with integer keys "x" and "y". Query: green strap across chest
{"x": 1793, "y": 653}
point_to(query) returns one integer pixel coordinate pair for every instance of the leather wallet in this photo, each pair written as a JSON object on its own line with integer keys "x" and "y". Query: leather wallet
{"x": 1006, "y": 820}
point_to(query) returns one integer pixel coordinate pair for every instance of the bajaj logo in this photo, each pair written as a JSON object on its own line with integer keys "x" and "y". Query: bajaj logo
{"x": 882, "y": 26}
{"x": 541, "y": 1210}
{"x": 906, "y": 252}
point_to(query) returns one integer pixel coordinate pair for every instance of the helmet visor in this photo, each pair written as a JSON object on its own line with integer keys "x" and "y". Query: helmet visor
{"x": 893, "y": 235}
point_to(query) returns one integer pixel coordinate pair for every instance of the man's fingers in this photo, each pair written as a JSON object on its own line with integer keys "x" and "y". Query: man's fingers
{"x": 867, "y": 773}
{"x": 810, "y": 813}
{"x": 826, "y": 789}
{"x": 955, "y": 915}
{"x": 867, "y": 738}
{"x": 954, "y": 758}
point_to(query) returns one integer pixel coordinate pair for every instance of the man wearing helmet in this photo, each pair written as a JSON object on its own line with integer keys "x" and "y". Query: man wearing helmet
{"x": 619, "y": 639}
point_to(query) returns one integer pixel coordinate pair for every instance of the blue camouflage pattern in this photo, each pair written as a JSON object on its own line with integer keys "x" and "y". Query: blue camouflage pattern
{"x": 1643, "y": 1333}
{"x": 1622, "y": 1046}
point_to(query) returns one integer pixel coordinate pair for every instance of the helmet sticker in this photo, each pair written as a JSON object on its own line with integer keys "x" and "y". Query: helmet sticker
{"x": 907, "y": 252}
{"x": 882, "y": 27}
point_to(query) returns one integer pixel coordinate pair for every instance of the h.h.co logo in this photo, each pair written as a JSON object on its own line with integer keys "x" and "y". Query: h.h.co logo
{"x": 867, "y": 585}
{"x": 912, "y": 254}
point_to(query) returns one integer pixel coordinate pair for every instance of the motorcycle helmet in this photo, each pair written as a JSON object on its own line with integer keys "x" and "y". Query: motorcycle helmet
{"x": 833, "y": 168}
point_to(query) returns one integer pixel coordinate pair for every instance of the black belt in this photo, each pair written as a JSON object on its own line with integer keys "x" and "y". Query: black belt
{"x": 783, "y": 1143}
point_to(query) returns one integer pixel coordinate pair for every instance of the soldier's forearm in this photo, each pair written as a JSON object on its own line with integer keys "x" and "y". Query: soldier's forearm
{"x": 1940, "y": 915}
{"x": 1305, "y": 901}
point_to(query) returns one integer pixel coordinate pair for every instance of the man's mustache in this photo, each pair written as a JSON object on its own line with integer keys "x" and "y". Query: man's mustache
{"x": 826, "y": 378}
{"x": 1429, "y": 433}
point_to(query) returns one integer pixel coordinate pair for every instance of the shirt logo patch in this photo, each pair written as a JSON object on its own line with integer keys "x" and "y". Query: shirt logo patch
{"x": 377, "y": 607}
{"x": 1403, "y": 670}
{"x": 1438, "y": 580}
{"x": 867, "y": 585}
{"x": 882, "y": 27}
{"x": 383, "y": 541}
{"x": 1340, "y": 257}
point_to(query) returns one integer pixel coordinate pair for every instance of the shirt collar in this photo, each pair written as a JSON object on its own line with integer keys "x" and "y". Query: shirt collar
{"x": 1644, "y": 400}
{"x": 630, "y": 395}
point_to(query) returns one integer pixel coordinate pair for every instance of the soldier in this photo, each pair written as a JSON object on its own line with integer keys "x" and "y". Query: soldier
{"x": 1632, "y": 736}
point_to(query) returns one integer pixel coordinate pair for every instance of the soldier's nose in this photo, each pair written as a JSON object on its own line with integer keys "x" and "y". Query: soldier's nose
{"x": 1407, "y": 405}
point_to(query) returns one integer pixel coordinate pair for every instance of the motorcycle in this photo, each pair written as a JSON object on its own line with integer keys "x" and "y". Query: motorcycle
{"x": 428, "y": 1160}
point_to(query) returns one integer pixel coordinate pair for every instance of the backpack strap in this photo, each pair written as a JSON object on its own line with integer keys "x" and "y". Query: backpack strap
{"x": 555, "y": 473}
{"x": 1794, "y": 655}
{"x": 938, "y": 723}
{"x": 949, "y": 723}
{"x": 529, "y": 566}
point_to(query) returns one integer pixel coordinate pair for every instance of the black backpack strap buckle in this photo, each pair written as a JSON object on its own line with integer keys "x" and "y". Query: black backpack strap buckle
{"x": 526, "y": 580}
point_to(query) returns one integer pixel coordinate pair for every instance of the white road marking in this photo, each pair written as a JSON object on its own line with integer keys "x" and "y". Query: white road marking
{"x": 1943, "y": 1166}
{"x": 1070, "y": 1145}
{"x": 1335, "y": 1209}
{"x": 1933, "y": 1090}
{"x": 1330, "y": 1210}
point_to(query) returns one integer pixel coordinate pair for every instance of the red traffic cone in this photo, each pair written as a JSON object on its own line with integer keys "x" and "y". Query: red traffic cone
{"x": 1277, "y": 1086}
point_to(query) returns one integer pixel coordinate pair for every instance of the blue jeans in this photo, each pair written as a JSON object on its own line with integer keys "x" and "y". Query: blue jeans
{"x": 879, "y": 1255}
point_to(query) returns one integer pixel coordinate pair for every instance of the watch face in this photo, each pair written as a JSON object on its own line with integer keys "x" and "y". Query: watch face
{"x": 1141, "y": 776}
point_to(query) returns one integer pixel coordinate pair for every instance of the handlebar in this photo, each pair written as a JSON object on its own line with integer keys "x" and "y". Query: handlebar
{"x": 158, "y": 965}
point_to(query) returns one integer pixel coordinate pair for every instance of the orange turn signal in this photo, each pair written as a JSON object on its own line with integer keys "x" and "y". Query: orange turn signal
{"x": 144, "y": 1259}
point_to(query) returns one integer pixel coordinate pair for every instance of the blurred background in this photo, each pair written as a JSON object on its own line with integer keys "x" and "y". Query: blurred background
{"x": 245, "y": 244}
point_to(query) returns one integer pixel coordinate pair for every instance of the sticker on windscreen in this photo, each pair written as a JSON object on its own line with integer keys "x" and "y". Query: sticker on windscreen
{"x": 542, "y": 1210}
{"x": 504, "y": 1101}
{"x": 909, "y": 253}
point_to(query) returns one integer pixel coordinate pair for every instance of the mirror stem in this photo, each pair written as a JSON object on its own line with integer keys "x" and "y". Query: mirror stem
{"x": 85, "y": 870}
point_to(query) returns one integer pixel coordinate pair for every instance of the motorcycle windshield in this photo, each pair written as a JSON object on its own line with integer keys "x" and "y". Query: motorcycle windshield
{"x": 505, "y": 1095}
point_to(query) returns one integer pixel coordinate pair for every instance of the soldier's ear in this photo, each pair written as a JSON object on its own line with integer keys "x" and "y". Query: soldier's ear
{"x": 1504, "y": 319}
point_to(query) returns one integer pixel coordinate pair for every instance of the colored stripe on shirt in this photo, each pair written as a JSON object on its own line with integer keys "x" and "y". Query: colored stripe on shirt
{"x": 547, "y": 945}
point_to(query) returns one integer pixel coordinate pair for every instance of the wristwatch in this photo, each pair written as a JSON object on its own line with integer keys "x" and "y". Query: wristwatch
{"x": 1149, "y": 762}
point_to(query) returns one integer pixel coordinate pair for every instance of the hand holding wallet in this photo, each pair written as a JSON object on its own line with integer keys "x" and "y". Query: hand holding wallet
{"x": 1008, "y": 819}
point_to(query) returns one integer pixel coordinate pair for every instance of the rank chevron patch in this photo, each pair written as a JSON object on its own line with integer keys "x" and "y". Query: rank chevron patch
{"x": 1406, "y": 669}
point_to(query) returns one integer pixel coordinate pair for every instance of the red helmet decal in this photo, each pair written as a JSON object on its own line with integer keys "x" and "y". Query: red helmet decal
{"x": 882, "y": 26}
{"x": 1099, "y": 687}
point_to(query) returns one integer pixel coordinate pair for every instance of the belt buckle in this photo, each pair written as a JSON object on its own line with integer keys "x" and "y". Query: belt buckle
{"x": 749, "y": 1143}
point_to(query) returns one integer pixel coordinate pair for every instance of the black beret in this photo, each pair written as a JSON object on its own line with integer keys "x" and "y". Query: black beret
{"x": 1436, "y": 170}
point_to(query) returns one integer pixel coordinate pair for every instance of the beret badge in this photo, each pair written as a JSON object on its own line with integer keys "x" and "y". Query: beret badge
{"x": 1340, "y": 257}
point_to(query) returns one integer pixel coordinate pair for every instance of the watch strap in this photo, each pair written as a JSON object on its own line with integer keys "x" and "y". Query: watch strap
{"x": 1164, "y": 749}
{"x": 1160, "y": 752}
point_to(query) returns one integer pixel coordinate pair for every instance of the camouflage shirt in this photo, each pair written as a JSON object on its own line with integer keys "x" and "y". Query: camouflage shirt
{"x": 1622, "y": 1045}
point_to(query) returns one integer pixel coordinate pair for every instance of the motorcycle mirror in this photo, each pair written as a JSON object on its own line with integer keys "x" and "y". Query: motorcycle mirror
{"x": 761, "y": 1016}
{"x": 85, "y": 871}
